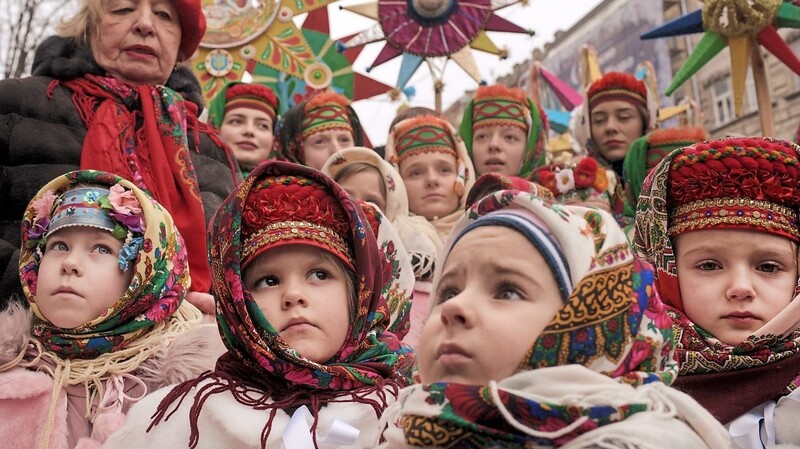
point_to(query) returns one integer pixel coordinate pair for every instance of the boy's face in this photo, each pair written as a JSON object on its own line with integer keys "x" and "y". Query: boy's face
{"x": 249, "y": 134}
{"x": 614, "y": 126}
{"x": 489, "y": 309}
{"x": 79, "y": 276}
{"x": 498, "y": 149}
{"x": 733, "y": 282}
{"x": 366, "y": 185}
{"x": 430, "y": 178}
{"x": 305, "y": 297}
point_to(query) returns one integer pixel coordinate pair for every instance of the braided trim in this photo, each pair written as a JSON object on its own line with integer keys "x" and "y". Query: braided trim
{"x": 290, "y": 230}
{"x": 709, "y": 151}
{"x": 734, "y": 211}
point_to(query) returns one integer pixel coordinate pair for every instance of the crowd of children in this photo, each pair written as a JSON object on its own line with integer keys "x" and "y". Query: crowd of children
{"x": 458, "y": 289}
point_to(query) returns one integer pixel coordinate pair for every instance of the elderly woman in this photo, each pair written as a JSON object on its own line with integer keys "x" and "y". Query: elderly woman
{"x": 107, "y": 94}
{"x": 312, "y": 131}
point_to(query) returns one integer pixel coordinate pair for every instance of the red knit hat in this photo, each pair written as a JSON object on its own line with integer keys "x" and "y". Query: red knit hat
{"x": 291, "y": 210}
{"x": 618, "y": 86}
{"x": 193, "y": 26}
{"x": 736, "y": 183}
{"x": 251, "y": 96}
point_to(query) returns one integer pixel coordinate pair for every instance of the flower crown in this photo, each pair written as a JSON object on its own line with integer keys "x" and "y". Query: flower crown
{"x": 115, "y": 210}
{"x": 585, "y": 179}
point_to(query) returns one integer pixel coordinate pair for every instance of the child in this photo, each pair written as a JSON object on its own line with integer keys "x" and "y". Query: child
{"x": 435, "y": 167}
{"x": 105, "y": 273}
{"x": 300, "y": 283}
{"x": 719, "y": 220}
{"x": 504, "y": 131}
{"x": 618, "y": 110}
{"x": 560, "y": 342}
{"x": 245, "y": 116}
{"x": 311, "y": 131}
{"x": 367, "y": 177}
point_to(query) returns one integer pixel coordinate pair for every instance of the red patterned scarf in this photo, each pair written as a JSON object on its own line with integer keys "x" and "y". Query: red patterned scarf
{"x": 139, "y": 133}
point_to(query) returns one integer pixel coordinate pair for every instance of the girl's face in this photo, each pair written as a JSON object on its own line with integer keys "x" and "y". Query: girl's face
{"x": 366, "y": 185}
{"x": 318, "y": 147}
{"x": 249, "y": 134}
{"x": 305, "y": 296}
{"x": 430, "y": 179}
{"x": 489, "y": 310}
{"x": 615, "y": 125}
{"x": 731, "y": 287}
{"x": 79, "y": 276}
{"x": 498, "y": 149}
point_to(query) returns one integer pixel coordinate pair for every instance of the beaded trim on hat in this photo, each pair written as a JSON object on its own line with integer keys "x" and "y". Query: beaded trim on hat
{"x": 735, "y": 212}
{"x": 283, "y": 231}
{"x": 81, "y": 207}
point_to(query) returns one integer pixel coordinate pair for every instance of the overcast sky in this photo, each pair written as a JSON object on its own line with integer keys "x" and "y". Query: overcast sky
{"x": 545, "y": 17}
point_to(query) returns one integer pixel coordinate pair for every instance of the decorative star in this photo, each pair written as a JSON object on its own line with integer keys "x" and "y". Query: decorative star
{"x": 260, "y": 37}
{"x": 738, "y": 24}
{"x": 433, "y": 31}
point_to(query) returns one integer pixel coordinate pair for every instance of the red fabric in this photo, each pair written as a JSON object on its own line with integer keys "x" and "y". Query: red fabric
{"x": 158, "y": 164}
{"x": 193, "y": 26}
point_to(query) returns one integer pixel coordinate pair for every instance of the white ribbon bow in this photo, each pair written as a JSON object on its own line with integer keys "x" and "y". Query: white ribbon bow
{"x": 297, "y": 434}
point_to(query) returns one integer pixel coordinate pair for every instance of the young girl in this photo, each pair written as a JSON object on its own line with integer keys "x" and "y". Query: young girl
{"x": 105, "y": 273}
{"x": 719, "y": 220}
{"x": 300, "y": 286}
{"x": 435, "y": 168}
{"x": 618, "y": 109}
{"x": 561, "y": 342}
{"x": 245, "y": 116}
{"x": 311, "y": 131}
{"x": 504, "y": 131}
{"x": 367, "y": 177}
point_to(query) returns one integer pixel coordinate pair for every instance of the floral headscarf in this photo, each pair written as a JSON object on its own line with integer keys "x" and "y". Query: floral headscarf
{"x": 418, "y": 235}
{"x": 612, "y": 323}
{"x": 728, "y": 380}
{"x": 260, "y": 369}
{"x": 157, "y": 252}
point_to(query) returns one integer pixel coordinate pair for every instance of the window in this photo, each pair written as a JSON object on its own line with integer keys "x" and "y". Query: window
{"x": 722, "y": 92}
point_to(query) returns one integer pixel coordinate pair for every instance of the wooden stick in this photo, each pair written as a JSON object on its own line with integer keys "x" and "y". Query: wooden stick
{"x": 762, "y": 92}
{"x": 438, "y": 87}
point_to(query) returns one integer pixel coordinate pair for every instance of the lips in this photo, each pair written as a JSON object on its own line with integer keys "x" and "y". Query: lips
{"x": 141, "y": 50}
{"x": 741, "y": 316}
{"x": 451, "y": 349}
{"x": 246, "y": 145}
{"x": 297, "y": 322}
{"x": 614, "y": 143}
{"x": 433, "y": 196}
{"x": 65, "y": 289}
{"x": 495, "y": 162}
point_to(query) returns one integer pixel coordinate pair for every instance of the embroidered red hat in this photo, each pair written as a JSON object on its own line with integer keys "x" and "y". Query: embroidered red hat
{"x": 326, "y": 111}
{"x": 618, "y": 86}
{"x": 251, "y": 96}
{"x": 193, "y": 26}
{"x": 736, "y": 183}
{"x": 423, "y": 134}
{"x": 290, "y": 210}
{"x": 499, "y": 105}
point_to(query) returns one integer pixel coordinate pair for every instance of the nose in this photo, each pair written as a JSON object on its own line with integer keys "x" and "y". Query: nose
{"x": 457, "y": 312}
{"x": 494, "y": 141}
{"x": 740, "y": 287}
{"x": 71, "y": 264}
{"x": 612, "y": 125}
{"x": 293, "y": 296}
{"x": 431, "y": 178}
{"x": 144, "y": 20}
{"x": 249, "y": 129}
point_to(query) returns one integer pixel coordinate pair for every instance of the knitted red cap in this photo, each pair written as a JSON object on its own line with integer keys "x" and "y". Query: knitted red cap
{"x": 251, "y": 96}
{"x": 746, "y": 183}
{"x": 193, "y": 26}
{"x": 618, "y": 86}
{"x": 291, "y": 210}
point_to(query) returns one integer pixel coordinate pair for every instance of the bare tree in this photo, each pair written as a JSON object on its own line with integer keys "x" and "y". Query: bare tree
{"x": 23, "y": 24}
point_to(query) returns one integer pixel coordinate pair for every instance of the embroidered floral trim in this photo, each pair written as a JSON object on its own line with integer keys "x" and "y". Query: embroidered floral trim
{"x": 734, "y": 211}
{"x": 290, "y": 230}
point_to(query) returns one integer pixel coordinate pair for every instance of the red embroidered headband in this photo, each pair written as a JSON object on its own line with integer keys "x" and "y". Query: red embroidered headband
{"x": 324, "y": 112}
{"x": 618, "y": 86}
{"x": 251, "y": 96}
